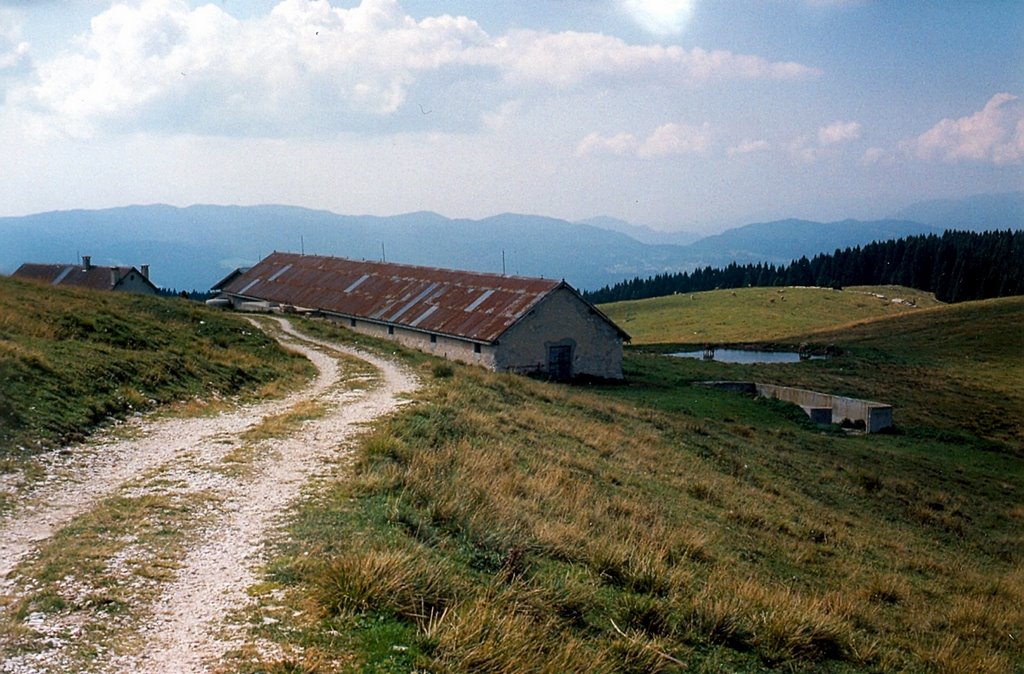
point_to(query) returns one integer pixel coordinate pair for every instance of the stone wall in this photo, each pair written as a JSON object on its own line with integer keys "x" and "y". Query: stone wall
{"x": 562, "y": 319}
{"x": 444, "y": 347}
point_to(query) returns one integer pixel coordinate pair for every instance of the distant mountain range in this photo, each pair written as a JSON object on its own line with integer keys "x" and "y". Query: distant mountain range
{"x": 193, "y": 247}
{"x": 978, "y": 213}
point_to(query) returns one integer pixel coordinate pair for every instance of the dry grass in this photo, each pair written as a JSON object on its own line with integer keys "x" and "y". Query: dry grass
{"x": 633, "y": 528}
{"x": 284, "y": 424}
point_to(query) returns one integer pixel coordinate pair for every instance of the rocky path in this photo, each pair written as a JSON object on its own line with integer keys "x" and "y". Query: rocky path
{"x": 184, "y": 630}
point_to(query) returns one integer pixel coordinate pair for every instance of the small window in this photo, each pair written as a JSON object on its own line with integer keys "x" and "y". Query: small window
{"x": 352, "y": 322}
{"x": 391, "y": 329}
{"x": 433, "y": 339}
{"x": 476, "y": 348}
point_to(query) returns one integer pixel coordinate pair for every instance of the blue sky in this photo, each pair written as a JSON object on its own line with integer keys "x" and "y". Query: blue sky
{"x": 677, "y": 114}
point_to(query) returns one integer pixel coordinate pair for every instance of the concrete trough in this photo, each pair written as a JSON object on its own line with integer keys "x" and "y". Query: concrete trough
{"x": 822, "y": 408}
{"x": 819, "y": 415}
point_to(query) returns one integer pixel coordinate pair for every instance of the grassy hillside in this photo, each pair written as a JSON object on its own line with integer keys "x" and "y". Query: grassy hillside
{"x": 71, "y": 359}
{"x": 501, "y": 524}
{"x": 756, "y": 314}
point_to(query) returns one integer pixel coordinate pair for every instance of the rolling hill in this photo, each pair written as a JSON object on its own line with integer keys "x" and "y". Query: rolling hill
{"x": 757, "y": 314}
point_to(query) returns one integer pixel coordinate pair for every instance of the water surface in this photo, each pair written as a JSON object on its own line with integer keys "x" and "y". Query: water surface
{"x": 746, "y": 357}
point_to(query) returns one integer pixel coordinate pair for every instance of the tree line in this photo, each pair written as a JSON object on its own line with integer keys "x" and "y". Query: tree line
{"x": 957, "y": 266}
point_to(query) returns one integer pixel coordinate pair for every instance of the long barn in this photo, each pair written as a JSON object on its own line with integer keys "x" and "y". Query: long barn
{"x": 505, "y": 323}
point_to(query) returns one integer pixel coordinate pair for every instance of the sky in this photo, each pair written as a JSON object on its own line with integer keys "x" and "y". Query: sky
{"x": 681, "y": 115}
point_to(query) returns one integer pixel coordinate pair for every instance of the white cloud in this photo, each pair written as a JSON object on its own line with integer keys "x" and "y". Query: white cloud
{"x": 618, "y": 145}
{"x": 676, "y": 139}
{"x": 838, "y": 132}
{"x": 308, "y": 67}
{"x": 159, "y": 63}
{"x": 749, "y": 147}
{"x": 15, "y": 59}
{"x": 825, "y": 143}
{"x": 661, "y": 17}
{"x": 874, "y": 155}
{"x": 569, "y": 58}
{"x": 665, "y": 141}
{"x": 499, "y": 118}
{"x": 993, "y": 134}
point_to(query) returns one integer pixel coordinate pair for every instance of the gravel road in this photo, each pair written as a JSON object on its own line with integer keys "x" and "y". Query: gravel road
{"x": 185, "y": 629}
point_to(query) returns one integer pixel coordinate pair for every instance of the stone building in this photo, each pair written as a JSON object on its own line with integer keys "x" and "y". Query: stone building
{"x": 88, "y": 275}
{"x": 505, "y": 323}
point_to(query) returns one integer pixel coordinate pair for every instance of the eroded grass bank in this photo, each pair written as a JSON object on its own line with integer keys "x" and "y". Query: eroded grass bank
{"x": 501, "y": 524}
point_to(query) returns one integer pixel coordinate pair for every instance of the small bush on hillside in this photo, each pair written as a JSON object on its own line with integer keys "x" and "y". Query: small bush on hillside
{"x": 442, "y": 370}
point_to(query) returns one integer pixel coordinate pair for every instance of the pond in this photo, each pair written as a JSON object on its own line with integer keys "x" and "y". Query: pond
{"x": 745, "y": 356}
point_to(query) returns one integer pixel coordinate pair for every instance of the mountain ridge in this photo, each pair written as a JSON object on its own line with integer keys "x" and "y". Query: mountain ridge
{"x": 192, "y": 247}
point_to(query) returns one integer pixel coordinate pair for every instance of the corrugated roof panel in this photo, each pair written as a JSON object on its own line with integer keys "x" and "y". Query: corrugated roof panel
{"x": 413, "y": 302}
{"x": 248, "y": 286}
{"x": 480, "y": 300}
{"x": 356, "y": 283}
{"x": 61, "y": 276}
{"x": 424, "y": 316}
{"x": 278, "y": 273}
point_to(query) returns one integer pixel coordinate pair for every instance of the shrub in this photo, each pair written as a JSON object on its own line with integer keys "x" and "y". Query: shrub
{"x": 386, "y": 580}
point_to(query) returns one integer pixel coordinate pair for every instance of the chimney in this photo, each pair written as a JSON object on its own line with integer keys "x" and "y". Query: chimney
{"x": 115, "y": 275}
{"x": 87, "y": 261}
{"x": 144, "y": 270}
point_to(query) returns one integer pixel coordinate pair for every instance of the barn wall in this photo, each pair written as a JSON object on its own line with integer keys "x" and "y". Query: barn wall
{"x": 562, "y": 318}
{"x": 445, "y": 347}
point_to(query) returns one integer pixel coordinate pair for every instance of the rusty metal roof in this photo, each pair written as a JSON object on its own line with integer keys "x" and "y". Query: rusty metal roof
{"x": 93, "y": 276}
{"x": 474, "y": 306}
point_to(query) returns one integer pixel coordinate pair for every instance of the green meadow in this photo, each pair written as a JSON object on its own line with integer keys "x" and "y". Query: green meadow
{"x": 757, "y": 314}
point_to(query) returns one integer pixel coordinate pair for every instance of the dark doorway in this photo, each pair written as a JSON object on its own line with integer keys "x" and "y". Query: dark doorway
{"x": 560, "y": 362}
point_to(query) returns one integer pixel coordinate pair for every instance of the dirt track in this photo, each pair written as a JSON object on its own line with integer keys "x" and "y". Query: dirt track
{"x": 185, "y": 629}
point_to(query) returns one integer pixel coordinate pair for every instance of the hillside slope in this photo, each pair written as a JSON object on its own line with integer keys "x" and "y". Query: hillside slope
{"x": 72, "y": 359}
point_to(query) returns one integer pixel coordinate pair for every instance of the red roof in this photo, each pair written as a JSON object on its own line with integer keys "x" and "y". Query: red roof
{"x": 475, "y": 306}
{"x": 93, "y": 276}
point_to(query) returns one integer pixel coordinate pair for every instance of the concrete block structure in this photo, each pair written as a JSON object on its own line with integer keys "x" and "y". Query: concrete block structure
{"x": 822, "y": 408}
{"x": 504, "y": 323}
